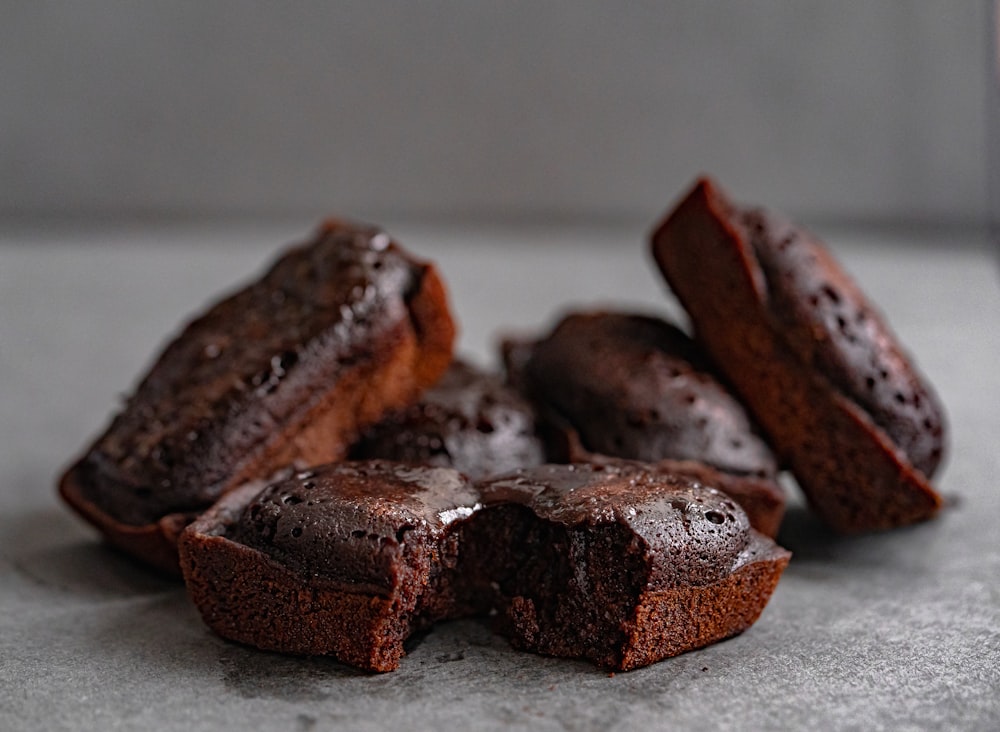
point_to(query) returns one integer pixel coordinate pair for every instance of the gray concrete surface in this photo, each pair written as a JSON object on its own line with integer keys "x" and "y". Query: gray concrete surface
{"x": 893, "y": 631}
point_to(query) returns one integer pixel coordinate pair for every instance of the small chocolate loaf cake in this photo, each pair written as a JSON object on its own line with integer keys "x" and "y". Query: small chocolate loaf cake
{"x": 617, "y": 564}
{"x": 810, "y": 357}
{"x": 612, "y": 562}
{"x": 290, "y": 369}
{"x": 470, "y": 420}
{"x": 345, "y": 560}
{"x": 636, "y": 387}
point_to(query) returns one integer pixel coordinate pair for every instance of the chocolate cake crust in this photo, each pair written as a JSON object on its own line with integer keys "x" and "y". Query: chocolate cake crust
{"x": 696, "y": 534}
{"x": 636, "y": 387}
{"x": 345, "y": 560}
{"x": 470, "y": 420}
{"x": 348, "y": 523}
{"x": 828, "y": 324}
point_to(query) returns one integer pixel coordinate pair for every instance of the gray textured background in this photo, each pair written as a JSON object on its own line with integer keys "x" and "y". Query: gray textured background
{"x": 849, "y": 110}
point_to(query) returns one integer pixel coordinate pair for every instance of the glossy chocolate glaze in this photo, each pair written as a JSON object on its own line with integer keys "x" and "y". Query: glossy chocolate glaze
{"x": 613, "y": 563}
{"x": 470, "y": 420}
{"x": 829, "y": 324}
{"x": 637, "y": 387}
{"x": 238, "y": 372}
{"x": 694, "y": 534}
{"x": 356, "y": 523}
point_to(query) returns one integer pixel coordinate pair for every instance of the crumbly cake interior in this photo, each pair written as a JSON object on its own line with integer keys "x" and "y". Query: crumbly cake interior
{"x": 571, "y": 553}
{"x": 560, "y": 591}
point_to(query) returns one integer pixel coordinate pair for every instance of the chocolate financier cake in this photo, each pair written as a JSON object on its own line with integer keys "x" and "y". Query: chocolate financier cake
{"x": 619, "y": 565}
{"x": 469, "y": 420}
{"x": 289, "y": 369}
{"x": 810, "y": 357}
{"x": 636, "y": 387}
{"x": 612, "y": 562}
{"x": 345, "y": 560}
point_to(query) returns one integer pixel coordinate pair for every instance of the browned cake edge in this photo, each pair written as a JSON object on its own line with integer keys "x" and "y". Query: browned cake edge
{"x": 853, "y": 475}
{"x": 663, "y": 622}
{"x": 245, "y": 596}
{"x": 411, "y": 357}
{"x": 670, "y": 622}
{"x": 155, "y": 544}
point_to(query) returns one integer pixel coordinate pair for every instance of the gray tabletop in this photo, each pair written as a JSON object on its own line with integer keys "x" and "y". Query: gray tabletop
{"x": 898, "y": 630}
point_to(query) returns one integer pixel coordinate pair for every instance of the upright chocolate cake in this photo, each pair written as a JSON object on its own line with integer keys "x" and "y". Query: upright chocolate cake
{"x": 810, "y": 357}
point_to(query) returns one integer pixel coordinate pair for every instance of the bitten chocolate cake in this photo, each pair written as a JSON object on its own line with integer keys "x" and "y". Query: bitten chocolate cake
{"x": 611, "y": 562}
{"x": 289, "y": 369}
{"x": 346, "y": 560}
{"x": 636, "y": 387}
{"x": 470, "y": 420}
{"x": 810, "y": 357}
{"x": 617, "y": 564}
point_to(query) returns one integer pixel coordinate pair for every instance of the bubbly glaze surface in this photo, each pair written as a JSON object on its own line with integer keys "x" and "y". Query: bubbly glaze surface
{"x": 694, "y": 533}
{"x": 349, "y": 522}
{"x": 469, "y": 420}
